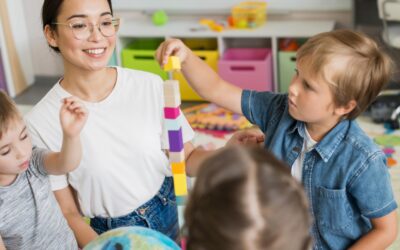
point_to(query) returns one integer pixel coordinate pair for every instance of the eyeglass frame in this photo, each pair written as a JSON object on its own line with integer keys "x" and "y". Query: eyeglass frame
{"x": 115, "y": 22}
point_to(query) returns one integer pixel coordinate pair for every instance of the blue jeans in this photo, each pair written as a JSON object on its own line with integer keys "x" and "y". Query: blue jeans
{"x": 160, "y": 213}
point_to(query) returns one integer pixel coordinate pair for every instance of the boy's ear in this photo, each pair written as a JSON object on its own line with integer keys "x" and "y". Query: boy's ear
{"x": 50, "y": 35}
{"x": 344, "y": 110}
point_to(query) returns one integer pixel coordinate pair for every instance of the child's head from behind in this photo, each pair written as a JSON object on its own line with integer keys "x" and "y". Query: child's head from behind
{"x": 244, "y": 198}
{"x": 15, "y": 144}
{"x": 352, "y": 65}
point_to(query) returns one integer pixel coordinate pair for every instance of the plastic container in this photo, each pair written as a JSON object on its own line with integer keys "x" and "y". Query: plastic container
{"x": 286, "y": 66}
{"x": 248, "y": 68}
{"x": 206, "y": 49}
{"x": 249, "y": 14}
{"x": 140, "y": 55}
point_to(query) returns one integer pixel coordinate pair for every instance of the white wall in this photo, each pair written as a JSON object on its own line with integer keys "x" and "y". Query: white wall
{"x": 48, "y": 63}
{"x": 45, "y": 62}
{"x": 208, "y": 6}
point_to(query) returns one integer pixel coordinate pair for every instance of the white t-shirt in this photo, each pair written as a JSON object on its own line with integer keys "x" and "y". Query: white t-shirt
{"x": 123, "y": 164}
{"x": 297, "y": 167}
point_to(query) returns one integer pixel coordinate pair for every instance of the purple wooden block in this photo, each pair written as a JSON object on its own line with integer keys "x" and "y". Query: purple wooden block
{"x": 175, "y": 140}
{"x": 171, "y": 113}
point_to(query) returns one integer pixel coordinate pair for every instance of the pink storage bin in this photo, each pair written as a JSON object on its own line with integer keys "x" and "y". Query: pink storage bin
{"x": 247, "y": 68}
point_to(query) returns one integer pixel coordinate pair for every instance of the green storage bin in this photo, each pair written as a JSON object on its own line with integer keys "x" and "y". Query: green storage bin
{"x": 140, "y": 55}
{"x": 286, "y": 68}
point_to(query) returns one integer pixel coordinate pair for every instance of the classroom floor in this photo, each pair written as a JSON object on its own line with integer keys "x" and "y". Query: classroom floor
{"x": 33, "y": 94}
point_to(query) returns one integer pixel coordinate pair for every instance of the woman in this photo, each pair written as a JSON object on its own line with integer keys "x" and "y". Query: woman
{"x": 123, "y": 177}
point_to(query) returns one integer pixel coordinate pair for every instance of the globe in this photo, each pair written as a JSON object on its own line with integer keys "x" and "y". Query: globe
{"x": 127, "y": 238}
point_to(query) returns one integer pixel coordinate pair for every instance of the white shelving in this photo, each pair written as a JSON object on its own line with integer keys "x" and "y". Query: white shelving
{"x": 268, "y": 34}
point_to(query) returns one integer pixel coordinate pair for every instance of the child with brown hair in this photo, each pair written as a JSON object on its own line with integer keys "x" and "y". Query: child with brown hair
{"x": 312, "y": 129}
{"x": 30, "y": 217}
{"x": 244, "y": 198}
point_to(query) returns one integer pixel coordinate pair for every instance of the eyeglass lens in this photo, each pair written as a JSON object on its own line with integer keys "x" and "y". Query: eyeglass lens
{"x": 83, "y": 29}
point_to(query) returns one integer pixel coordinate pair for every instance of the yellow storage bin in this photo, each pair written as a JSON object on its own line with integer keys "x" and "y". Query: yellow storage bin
{"x": 206, "y": 49}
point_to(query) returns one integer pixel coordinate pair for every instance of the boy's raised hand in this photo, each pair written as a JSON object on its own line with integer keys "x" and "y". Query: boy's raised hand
{"x": 73, "y": 116}
{"x": 171, "y": 47}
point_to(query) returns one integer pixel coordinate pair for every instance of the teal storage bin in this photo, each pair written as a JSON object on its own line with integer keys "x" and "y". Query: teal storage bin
{"x": 286, "y": 68}
{"x": 140, "y": 55}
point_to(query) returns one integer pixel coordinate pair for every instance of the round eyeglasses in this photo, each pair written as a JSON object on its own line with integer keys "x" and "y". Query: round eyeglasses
{"x": 83, "y": 29}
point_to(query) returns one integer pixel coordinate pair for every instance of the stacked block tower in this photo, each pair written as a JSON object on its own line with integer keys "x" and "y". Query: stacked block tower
{"x": 173, "y": 116}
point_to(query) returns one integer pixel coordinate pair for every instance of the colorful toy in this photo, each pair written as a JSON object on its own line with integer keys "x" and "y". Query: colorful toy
{"x": 127, "y": 238}
{"x": 213, "y": 25}
{"x": 249, "y": 14}
{"x": 288, "y": 44}
{"x": 172, "y": 116}
{"x": 159, "y": 18}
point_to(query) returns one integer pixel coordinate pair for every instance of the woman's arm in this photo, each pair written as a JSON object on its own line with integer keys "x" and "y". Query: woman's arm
{"x": 382, "y": 235}
{"x": 194, "y": 157}
{"x": 83, "y": 232}
{"x": 73, "y": 116}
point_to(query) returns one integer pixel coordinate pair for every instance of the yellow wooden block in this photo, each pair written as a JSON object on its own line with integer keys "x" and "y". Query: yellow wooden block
{"x": 178, "y": 167}
{"x": 180, "y": 184}
{"x": 173, "y": 64}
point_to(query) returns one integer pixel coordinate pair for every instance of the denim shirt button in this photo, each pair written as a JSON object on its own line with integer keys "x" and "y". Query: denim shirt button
{"x": 142, "y": 211}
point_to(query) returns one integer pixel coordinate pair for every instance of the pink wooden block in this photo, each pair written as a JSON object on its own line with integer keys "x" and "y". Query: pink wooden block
{"x": 171, "y": 113}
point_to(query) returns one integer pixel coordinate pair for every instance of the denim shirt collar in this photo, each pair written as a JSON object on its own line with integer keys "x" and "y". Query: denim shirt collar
{"x": 327, "y": 146}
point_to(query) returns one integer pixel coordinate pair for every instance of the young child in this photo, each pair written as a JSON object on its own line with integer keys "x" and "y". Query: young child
{"x": 244, "y": 198}
{"x": 312, "y": 129}
{"x": 30, "y": 217}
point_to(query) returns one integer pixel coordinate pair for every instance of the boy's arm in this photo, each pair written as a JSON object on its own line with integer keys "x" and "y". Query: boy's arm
{"x": 2, "y": 247}
{"x": 195, "y": 157}
{"x": 382, "y": 235}
{"x": 201, "y": 77}
{"x": 67, "y": 202}
{"x": 73, "y": 116}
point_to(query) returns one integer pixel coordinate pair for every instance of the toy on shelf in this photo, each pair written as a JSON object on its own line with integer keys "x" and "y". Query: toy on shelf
{"x": 212, "y": 24}
{"x": 159, "y": 18}
{"x": 212, "y": 119}
{"x": 288, "y": 44}
{"x": 249, "y": 14}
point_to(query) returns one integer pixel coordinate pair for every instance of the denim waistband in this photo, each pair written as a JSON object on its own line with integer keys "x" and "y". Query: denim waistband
{"x": 162, "y": 195}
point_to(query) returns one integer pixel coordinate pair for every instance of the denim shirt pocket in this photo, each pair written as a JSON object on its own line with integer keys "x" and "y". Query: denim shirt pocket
{"x": 334, "y": 212}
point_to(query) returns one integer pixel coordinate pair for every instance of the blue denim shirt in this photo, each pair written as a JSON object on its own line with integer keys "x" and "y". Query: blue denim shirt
{"x": 345, "y": 175}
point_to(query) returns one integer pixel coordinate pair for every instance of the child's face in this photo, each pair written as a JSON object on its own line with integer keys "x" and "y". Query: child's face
{"x": 311, "y": 100}
{"x": 90, "y": 53}
{"x": 15, "y": 152}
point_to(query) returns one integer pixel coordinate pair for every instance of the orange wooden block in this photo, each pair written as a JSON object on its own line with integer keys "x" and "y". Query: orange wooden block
{"x": 178, "y": 168}
{"x": 391, "y": 162}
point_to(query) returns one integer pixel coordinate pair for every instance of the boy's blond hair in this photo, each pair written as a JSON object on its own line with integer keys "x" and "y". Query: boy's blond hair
{"x": 8, "y": 112}
{"x": 365, "y": 70}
